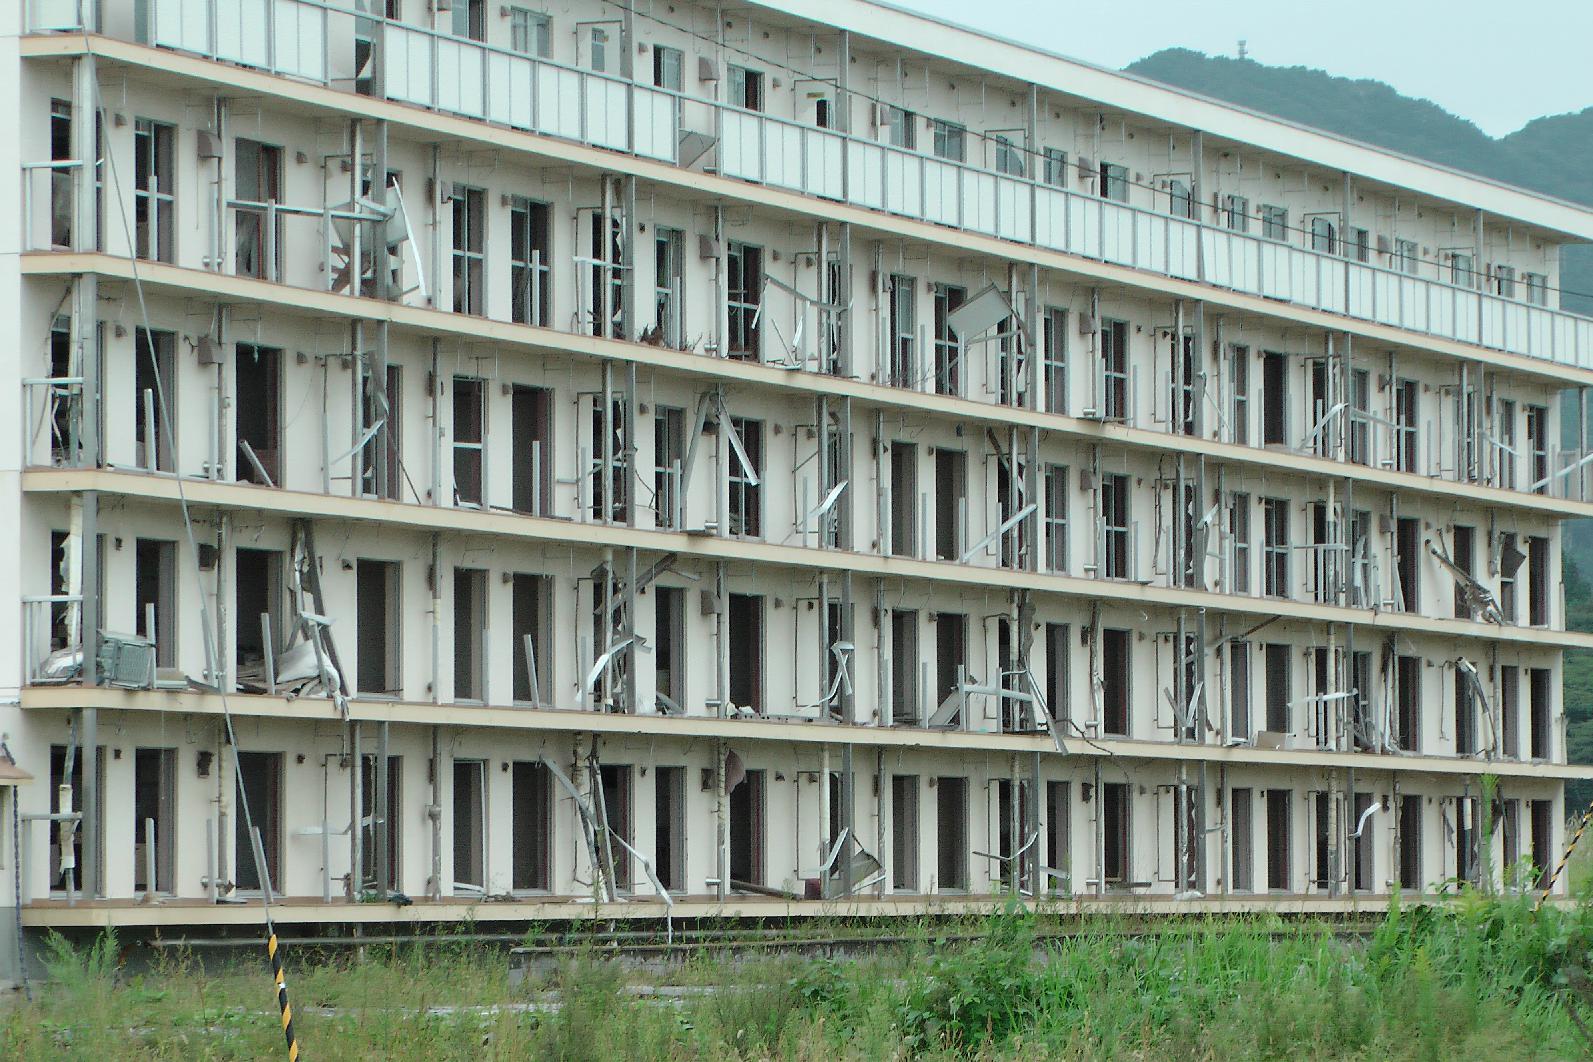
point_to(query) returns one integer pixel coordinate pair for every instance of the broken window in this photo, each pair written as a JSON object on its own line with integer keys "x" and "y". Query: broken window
{"x": 382, "y": 468}
{"x": 1362, "y": 728}
{"x": 1114, "y": 370}
{"x": 1278, "y": 838}
{"x": 669, "y": 648}
{"x": 1280, "y": 683}
{"x": 469, "y": 440}
{"x": 1242, "y": 805}
{"x": 904, "y": 832}
{"x": 744, "y": 628}
{"x": 61, "y": 178}
{"x": 260, "y": 778}
{"x": 257, "y": 227}
{"x": 469, "y": 250}
{"x": 951, "y": 657}
{"x": 1362, "y": 851}
{"x": 1466, "y": 834}
{"x": 951, "y": 833}
{"x": 669, "y": 279}
{"x": 1538, "y": 581}
{"x": 1059, "y": 836}
{"x": 606, "y": 280}
{"x": 1408, "y": 688}
{"x": 1239, "y": 538}
{"x": 1510, "y": 558}
{"x": 155, "y": 597}
{"x": 1239, "y": 690}
{"x": 1117, "y": 560}
{"x": 1236, "y": 213}
{"x": 948, "y": 345}
{"x": 532, "y": 632}
{"x": 1465, "y": 714}
{"x": 1187, "y": 371}
{"x": 669, "y": 827}
{"x": 669, "y": 457}
{"x": 1407, "y": 562}
{"x": 951, "y": 502}
{"x": 1323, "y": 237}
{"x": 744, "y": 292}
{"x": 745, "y": 479}
{"x": 1541, "y": 693}
{"x": 154, "y": 818}
{"x": 904, "y": 499}
{"x": 902, "y": 363}
{"x": 1360, "y": 410}
{"x": 904, "y": 666}
{"x": 1274, "y": 399}
{"x": 1116, "y": 813}
{"x": 257, "y": 596}
{"x": 1410, "y": 842}
{"x": 1054, "y": 358}
{"x": 531, "y": 429}
{"x": 610, "y": 448}
{"x": 1407, "y": 425}
{"x": 1542, "y": 814}
{"x": 1116, "y": 669}
{"x": 1538, "y": 448}
{"x": 1008, "y": 840}
{"x": 1464, "y": 542}
{"x": 1510, "y": 842}
{"x": 1058, "y": 672}
{"x": 747, "y": 830}
{"x": 376, "y": 627}
{"x": 66, "y": 778}
{"x": 530, "y": 262}
{"x": 154, "y": 394}
{"x": 154, "y": 185}
{"x": 392, "y": 816}
{"x": 1510, "y": 709}
{"x": 470, "y": 825}
{"x": 1056, "y": 518}
{"x": 617, "y": 808}
{"x": 1275, "y": 547}
{"x": 532, "y": 825}
{"x": 257, "y": 374}
{"x": 1322, "y": 807}
{"x": 470, "y": 624}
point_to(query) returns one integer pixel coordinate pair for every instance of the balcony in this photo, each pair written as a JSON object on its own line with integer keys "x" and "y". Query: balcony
{"x": 332, "y": 45}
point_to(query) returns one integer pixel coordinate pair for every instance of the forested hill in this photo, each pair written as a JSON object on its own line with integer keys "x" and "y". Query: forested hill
{"x": 1551, "y": 155}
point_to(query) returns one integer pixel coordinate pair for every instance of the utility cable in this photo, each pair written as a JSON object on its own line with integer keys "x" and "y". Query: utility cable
{"x": 262, "y": 871}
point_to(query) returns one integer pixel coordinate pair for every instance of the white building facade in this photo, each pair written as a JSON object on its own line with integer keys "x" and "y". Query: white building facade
{"x": 771, "y": 458}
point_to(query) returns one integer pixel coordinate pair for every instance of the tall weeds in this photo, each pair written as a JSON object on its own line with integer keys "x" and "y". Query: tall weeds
{"x": 1479, "y": 978}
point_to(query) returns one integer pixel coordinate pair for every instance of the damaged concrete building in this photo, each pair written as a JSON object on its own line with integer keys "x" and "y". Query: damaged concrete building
{"x": 763, "y": 458}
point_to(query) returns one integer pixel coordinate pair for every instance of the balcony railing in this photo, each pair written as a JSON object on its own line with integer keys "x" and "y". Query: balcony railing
{"x": 331, "y": 45}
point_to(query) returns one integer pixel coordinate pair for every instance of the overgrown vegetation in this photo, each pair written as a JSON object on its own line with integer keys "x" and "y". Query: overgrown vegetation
{"x": 1477, "y": 979}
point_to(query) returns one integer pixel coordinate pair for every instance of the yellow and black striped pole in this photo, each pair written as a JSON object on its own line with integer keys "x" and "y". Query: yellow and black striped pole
{"x": 282, "y": 997}
{"x": 1548, "y": 885}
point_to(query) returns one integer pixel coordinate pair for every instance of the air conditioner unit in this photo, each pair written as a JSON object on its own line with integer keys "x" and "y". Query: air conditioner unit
{"x": 126, "y": 660}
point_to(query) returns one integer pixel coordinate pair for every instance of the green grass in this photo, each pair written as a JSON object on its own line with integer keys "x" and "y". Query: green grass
{"x": 1475, "y": 979}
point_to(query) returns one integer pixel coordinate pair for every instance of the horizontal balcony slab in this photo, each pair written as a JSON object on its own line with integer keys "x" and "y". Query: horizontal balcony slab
{"x": 407, "y": 713}
{"x": 420, "y": 321}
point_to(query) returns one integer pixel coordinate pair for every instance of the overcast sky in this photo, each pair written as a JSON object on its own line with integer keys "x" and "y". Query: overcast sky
{"x": 1499, "y": 64}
